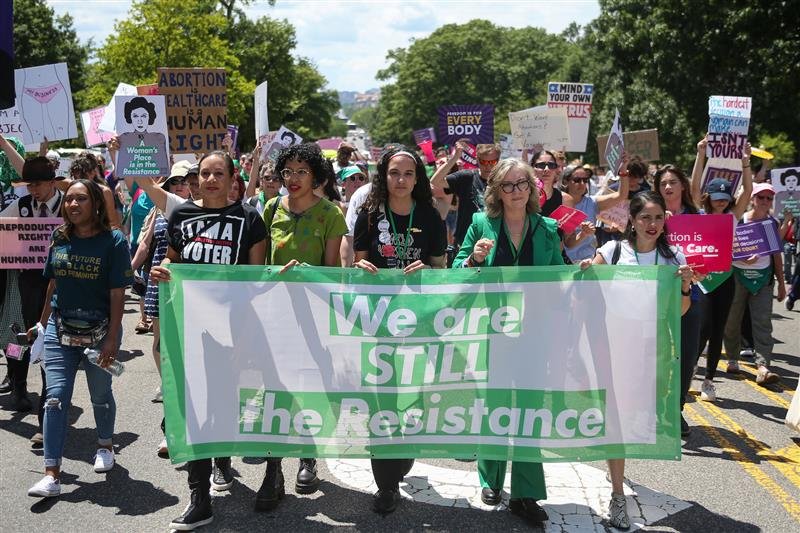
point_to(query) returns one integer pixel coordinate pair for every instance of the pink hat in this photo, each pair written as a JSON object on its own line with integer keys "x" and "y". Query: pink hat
{"x": 761, "y": 187}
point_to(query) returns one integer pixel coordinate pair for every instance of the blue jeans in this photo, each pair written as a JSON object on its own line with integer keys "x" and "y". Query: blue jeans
{"x": 60, "y": 366}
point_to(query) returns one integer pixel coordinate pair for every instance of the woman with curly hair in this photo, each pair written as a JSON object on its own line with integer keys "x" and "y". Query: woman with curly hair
{"x": 89, "y": 267}
{"x": 302, "y": 228}
{"x": 86, "y": 166}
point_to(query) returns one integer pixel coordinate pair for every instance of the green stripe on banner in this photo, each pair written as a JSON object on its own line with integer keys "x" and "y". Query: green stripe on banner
{"x": 519, "y": 363}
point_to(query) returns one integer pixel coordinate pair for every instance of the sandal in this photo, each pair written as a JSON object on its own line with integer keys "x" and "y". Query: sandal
{"x": 142, "y": 327}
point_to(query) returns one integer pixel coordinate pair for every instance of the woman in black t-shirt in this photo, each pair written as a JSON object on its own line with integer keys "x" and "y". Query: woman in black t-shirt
{"x": 211, "y": 231}
{"x": 398, "y": 227}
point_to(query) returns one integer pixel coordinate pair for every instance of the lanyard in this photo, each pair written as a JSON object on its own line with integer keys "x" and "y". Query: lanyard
{"x": 635, "y": 253}
{"x": 514, "y": 252}
{"x": 402, "y": 251}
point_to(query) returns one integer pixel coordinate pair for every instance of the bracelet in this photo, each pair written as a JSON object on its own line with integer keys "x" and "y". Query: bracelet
{"x": 745, "y": 166}
{"x": 687, "y": 293}
{"x": 473, "y": 261}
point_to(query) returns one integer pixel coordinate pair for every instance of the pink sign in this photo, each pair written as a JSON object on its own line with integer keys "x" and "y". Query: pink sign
{"x": 469, "y": 156}
{"x": 708, "y": 235}
{"x": 567, "y": 218}
{"x": 92, "y": 133}
{"x": 616, "y": 217}
{"x": 24, "y": 242}
{"x": 427, "y": 149}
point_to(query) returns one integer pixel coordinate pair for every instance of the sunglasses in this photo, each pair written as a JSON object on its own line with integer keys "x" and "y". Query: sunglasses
{"x": 487, "y": 162}
{"x": 581, "y": 180}
{"x": 541, "y": 165}
{"x": 360, "y": 177}
{"x": 176, "y": 181}
{"x": 766, "y": 198}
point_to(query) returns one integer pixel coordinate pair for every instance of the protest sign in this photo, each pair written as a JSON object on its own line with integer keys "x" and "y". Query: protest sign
{"x": 728, "y": 169}
{"x": 576, "y": 98}
{"x": 262, "y": 119}
{"x": 44, "y": 100}
{"x": 375, "y": 153}
{"x": 150, "y": 89}
{"x": 452, "y": 363}
{"x": 469, "y": 156}
{"x": 197, "y": 107}
{"x": 233, "y": 131}
{"x": 92, "y": 134}
{"x": 286, "y": 137}
{"x": 142, "y": 135}
{"x": 641, "y": 143}
{"x": 11, "y": 123}
{"x": 24, "y": 242}
{"x": 427, "y": 149}
{"x": 473, "y": 122}
{"x": 787, "y": 190}
{"x": 506, "y": 142}
{"x": 425, "y": 134}
{"x": 756, "y": 238}
{"x": 567, "y": 218}
{"x": 110, "y": 117}
{"x": 728, "y": 123}
{"x": 331, "y": 143}
{"x": 614, "y": 146}
{"x": 710, "y": 236}
{"x": 617, "y": 216}
{"x": 539, "y": 125}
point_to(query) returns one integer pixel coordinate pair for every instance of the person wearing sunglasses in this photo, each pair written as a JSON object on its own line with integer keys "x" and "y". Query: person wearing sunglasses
{"x": 512, "y": 232}
{"x": 754, "y": 280}
{"x": 468, "y": 186}
{"x": 545, "y": 168}
{"x": 352, "y": 179}
{"x": 582, "y": 243}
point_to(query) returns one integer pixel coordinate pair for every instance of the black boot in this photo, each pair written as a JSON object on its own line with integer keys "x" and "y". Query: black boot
{"x": 19, "y": 399}
{"x": 197, "y": 513}
{"x": 222, "y": 475}
{"x": 271, "y": 492}
{"x": 5, "y": 385}
{"x": 307, "y": 480}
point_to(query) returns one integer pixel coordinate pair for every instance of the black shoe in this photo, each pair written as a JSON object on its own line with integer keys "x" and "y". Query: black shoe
{"x": 197, "y": 513}
{"x": 491, "y": 496}
{"x": 529, "y": 509}
{"x": 5, "y": 386}
{"x": 685, "y": 429}
{"x": 20, "y": 402}
{"x": 307, "y": 480}
{"x": 222, "y": 476}
{"x": 385, "y": 501}
{"x": 271, "y": 492}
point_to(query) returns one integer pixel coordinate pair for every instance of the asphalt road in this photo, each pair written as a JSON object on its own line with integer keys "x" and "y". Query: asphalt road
{"x": 740, "y": 470}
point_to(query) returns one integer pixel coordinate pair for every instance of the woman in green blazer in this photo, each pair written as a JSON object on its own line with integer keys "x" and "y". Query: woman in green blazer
{"x": 511, "y": 232}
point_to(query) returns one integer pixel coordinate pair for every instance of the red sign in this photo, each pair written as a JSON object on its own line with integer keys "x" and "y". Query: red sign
{"x": 708, "y": 235}
{"x": 567, "y": 218}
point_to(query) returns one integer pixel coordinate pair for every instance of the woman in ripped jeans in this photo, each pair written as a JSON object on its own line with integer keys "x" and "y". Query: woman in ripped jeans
{"x": 89, "y": 267}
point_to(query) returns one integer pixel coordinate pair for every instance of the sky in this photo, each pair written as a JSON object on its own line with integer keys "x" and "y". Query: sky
{"x": 360, "y": 31}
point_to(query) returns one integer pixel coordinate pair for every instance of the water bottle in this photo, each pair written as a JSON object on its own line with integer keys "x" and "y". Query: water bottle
{"x": 115, "y": 368}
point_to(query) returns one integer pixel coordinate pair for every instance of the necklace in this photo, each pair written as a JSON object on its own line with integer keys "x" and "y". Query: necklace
{"x": 402, "y": 250}
{"x": 636, "y": 254}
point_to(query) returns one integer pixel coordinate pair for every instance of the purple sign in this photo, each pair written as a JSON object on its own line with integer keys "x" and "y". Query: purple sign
{"x": 473, "y": 122}
{"x": 234, "y": 131}
{"x": 425, "y": 134}
{"x": 756, "y": 238}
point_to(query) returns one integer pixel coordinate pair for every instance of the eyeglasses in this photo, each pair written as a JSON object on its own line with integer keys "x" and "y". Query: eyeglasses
{"x": 521, "y": 185}
{"x": 288, "y": 173}
{"x": 765, "y": 198}
{"x": 487, "y": 162}
{"x": 581, "y": 180}
{"x": 177, "y": 181}
{"x": 541, "y": 165}
{"x": 271, "y": 178}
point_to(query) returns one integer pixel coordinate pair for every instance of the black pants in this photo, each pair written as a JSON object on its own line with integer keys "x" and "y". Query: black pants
{"x": 388, "y": 473}
{"x": 200, "y": 472}
{"x": 690, "y": 343}
{"x": 717, "y": 308}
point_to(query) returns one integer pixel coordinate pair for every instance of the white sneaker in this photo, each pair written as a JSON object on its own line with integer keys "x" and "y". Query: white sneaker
{"x": 47, "y": 487}
{"x": 618, "y": 512}
{"x": 707, "y": 391}
{"x": 159, "y": 397}
{"x": 747, "y": 352}
{"x": 104, "y": 460}
{"x": 163, "y": 450}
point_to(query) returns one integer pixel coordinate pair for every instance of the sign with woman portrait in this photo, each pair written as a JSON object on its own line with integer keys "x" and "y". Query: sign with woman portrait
{"x": 142, "y": 133}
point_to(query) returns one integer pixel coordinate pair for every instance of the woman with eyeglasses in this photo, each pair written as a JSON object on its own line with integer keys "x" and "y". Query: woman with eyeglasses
{"x": 754, "y": 279}
{"x": 718, "y": 286}
{"x": 302, "y": 228}
{"x": 399, "y": 228}
{"x": 575, "y": 181}
{"x": 512, "y": 232}
{"x": 674, "y": 187}
{"x": 545, "y": 168}
{"x": 644, "y": 243}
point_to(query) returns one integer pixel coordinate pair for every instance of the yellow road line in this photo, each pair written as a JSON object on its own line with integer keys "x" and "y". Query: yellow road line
{"x": 791, "y": 505}
{"x": 722, "y": 366}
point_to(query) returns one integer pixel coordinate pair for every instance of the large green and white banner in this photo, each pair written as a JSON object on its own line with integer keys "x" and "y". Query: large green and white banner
{"x": 531, "y": 364}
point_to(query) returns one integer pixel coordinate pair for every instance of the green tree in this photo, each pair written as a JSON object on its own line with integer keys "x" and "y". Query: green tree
{"x": 366, "y": 118}
{"x": 659, "y": 62}
{"x": 780, "y": 146}
{"x": 454, "y": 65}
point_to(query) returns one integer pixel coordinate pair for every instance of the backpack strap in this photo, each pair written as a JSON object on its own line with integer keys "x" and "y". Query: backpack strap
{"x": 269, "y": 226}
{"x": 617, "y": 252}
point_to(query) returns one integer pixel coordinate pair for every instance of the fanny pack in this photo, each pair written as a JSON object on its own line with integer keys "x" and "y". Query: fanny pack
{"x": 74, "y": 332}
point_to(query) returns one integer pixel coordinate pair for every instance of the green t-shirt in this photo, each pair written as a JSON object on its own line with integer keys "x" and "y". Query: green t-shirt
{"x": 302, "y": 237}
{"x": 85, "y": 270}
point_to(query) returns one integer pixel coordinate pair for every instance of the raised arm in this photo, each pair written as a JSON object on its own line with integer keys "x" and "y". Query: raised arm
{"x": 17, "y": 160}
{"x": 747, "y": 185}
{"x": 255, "y": 168}
{"x": 607, "y": 201}
{"x": 697, "y": 170}
{"x": 438, "y": 178}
